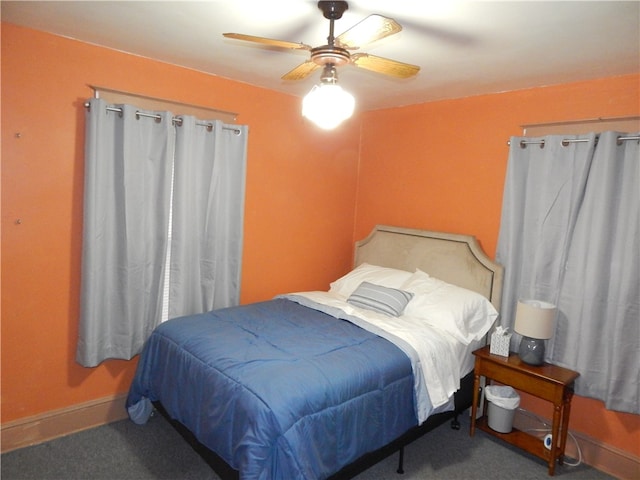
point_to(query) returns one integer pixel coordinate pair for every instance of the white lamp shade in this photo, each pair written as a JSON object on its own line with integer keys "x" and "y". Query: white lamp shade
{"x": 535, "y": 319}
{"x": 328, "y": 105}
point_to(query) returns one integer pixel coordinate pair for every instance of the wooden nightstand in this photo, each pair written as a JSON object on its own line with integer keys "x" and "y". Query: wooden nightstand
{"x": 549, "y": 382}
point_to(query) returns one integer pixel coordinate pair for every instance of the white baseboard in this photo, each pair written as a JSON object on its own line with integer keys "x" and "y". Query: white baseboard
{"x": 606, "y": 458}
{"x": 58, "y": 423}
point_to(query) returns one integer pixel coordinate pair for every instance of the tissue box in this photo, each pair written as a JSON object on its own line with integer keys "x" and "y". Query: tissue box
{"x": 500, "y": 344}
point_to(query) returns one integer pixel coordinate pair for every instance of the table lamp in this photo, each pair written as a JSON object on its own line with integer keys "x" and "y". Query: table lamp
{"x": 535, "y": 321}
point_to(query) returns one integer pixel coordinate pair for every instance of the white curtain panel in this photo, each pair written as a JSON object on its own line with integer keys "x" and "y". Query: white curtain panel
{"x": 142, "y": 173}
{"x": 570, "y": 235}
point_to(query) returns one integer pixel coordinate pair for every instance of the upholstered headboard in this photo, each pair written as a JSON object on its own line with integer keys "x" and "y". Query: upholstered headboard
{"x": 454, "y": 258}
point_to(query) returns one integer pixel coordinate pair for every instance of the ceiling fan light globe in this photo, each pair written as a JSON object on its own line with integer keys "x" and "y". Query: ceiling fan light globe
{"x": 328, "y": 105}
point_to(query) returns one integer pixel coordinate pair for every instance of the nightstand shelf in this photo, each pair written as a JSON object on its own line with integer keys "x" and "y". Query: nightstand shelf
{"x": 549, "y": 382}
{"x": 518, "y": 438}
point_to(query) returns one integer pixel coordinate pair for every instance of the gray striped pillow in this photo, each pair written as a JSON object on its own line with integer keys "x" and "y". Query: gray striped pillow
{"x": 389, "y": 301}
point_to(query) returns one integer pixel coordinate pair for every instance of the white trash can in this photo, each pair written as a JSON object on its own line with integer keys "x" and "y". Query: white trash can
{"x": 503, "y": 402}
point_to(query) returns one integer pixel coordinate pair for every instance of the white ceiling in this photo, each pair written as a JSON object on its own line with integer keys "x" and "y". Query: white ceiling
{"x": 463, "y": 48}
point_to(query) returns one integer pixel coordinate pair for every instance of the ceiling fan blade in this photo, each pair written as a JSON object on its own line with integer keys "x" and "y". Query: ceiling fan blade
{"x": 301, "y": 71}
{"x": 384, "y": 65}
{"x": 268, "y": 41}
{"x": 372, "y": 28}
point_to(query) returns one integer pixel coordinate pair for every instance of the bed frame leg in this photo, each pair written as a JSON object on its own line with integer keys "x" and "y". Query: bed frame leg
{"x": 455, "y": 423}
{"x": 401, "y": 461}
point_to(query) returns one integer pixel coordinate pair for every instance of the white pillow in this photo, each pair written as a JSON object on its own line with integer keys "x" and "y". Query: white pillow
{"x": 387, "y": 277}
{"x": 464, "y": 314}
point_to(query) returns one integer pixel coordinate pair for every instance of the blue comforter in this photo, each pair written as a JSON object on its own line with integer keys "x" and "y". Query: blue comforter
{"x": 277, "y": 389}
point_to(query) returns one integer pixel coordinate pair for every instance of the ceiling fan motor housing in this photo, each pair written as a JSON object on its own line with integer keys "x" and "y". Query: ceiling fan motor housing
{"x": 329, "y": 54}
{"x": 333, "y": 10}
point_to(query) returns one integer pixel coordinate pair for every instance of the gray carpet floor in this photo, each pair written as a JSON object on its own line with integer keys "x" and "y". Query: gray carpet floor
{"x": 123, "y": 450}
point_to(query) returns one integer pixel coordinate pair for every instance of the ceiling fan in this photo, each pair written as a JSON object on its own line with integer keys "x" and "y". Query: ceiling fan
{"x": 336, "y": 52}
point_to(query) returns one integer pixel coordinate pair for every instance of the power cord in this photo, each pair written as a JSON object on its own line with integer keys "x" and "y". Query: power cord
{"x": 548, "y": 430}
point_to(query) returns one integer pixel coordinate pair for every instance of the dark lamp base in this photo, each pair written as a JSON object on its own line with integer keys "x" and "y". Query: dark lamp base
{"x": 531, "y": 351}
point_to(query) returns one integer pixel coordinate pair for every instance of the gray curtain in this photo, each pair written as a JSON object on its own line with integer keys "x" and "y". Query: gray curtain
{"x": 208, "y": 206}
{"x": 570, "y": 235}
{"x": 150, "y": 183}
{"x": 127, "y": 192}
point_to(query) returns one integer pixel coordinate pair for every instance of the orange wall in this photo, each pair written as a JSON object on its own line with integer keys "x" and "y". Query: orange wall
{"x": 441, "y": 166}
{"x": 299, "y": 203}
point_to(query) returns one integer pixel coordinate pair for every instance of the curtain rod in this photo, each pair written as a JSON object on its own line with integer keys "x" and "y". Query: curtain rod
{"x": 586, "y": 120}
{"x": 175, "y": 120}
{"x": 96, "y": 93}
{"x": 567, "y": 141}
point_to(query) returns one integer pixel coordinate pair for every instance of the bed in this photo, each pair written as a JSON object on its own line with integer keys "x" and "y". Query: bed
{"x": 325, "y": 384}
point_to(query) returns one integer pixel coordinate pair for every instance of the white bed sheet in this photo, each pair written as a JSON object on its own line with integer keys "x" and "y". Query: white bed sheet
{"x": 438, "y": 359}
